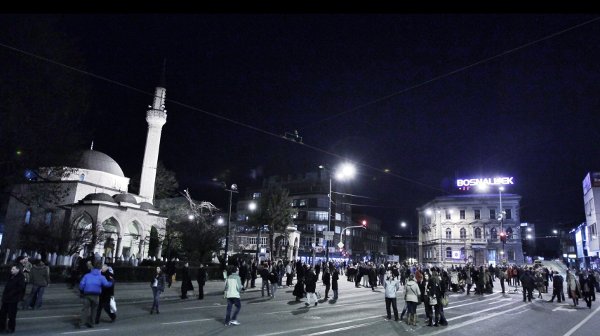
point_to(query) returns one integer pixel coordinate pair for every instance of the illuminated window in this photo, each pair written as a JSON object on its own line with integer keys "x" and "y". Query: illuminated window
{"x": 256, "y": 195}
{"x": 302, "y": 203}
{"x": 27, "y": 216}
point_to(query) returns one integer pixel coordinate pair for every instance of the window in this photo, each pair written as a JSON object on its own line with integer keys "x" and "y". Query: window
{"x": 448, "y": 252}
{"x": 462, "y": 214}
{"x": 511, "y": 255}
{"x": 507, "y": 214}
{"x": 509, "y": 233}
{"x": 593, "y": 231}
{"x": 477, "y": 233}
{"x": 448, "y": 214}
{"x": 478, "y": 214}
{"x": 493, "y": 234}
{"x": 302, "y": 203}
{"x": 48, "y": 218}
{"x": 462, "y": 253}
{"x": 463, "y": 233}
{"x": 255, "y": 195}
{"x": 27, "y": 216}
{"x": 448, "y": 233}
{"x": 492, "y": 213}
{"x": 317, "y": 215}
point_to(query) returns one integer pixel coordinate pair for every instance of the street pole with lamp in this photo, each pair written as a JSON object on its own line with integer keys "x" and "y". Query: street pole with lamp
{"x": 232, "y": 189}
{"x": 345, "y": 171}
{"x": 502, "y": 234}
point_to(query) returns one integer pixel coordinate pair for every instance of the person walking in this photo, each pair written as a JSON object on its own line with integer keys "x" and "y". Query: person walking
{"x": 264, "y": 275}
{"x": 39, "y": 278}
{"x": 437, "y": 290}
{"x": 201, "y": 277}
{"x": 233, "y": 287}
{"x": 391, "y": 286}
{"x": 334, "y": 283}
{"x": 273, "y": 278}
{"x": 106, "y": 295}
{"x": 158, "y": 286}
{"x": 186, "y": 280}
{"x": 310, "y": 279}
{"x": 170, "y": 271}
{"x": 10, "y": 299}
{"x": 586, "y": 288}
{"x": 326, "y": 278}
{"x": 243, "y": 272}
{"x": 26, "y": 266}
{"x": 573, "y": 289}
{"x": 412, "y": 292}
{"x": 557, "y": 287}
{"x": 289, "y": 274}
{"x": 90, "y": 287}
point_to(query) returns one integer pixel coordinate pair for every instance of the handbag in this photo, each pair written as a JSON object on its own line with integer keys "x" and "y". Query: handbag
{"x": 113, "y": 305}
{"x": 432, "y": 300}
{"x": 445, "y": 301}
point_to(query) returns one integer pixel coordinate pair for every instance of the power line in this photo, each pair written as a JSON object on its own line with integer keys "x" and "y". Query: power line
{"x": 485, "y": 60}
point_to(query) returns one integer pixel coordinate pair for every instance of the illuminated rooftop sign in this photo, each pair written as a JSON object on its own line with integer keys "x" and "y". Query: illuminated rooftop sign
{"x": 484, "y": 181}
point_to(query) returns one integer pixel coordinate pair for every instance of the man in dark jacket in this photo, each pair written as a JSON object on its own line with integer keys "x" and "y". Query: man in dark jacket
{"x": 106, "y": 294}
{"x": 326, "y": 281}
{"x": 90, "y": 288}
{"x": 201, "y": 279}
{"x": 39, "y": 277}
{"x": 557, "y": 287}
{"x": 528, "y": 283}
{"x": 10, "y": 298}
{"x": 264, "y": 274}
{"x": 186, "y": 281}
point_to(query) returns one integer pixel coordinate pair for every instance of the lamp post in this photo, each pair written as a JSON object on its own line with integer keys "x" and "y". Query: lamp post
{"x": 345, "y": 171}
{"x": 232, "y": 189}
{"x": 502, "y": 234}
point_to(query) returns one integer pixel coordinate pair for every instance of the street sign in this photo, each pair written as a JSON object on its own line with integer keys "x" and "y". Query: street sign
{"x": 340, "y": 244}
{"x": 328, "y": 235}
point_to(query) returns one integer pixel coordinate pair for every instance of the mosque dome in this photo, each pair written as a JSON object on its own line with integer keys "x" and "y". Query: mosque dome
{"x": 128, "y": 198}
{"x": 99, "y": 197}
{"x": 95, "y": 160}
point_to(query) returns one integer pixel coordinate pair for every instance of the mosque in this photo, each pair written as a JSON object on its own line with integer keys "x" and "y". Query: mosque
{"x": 90, "y": 193}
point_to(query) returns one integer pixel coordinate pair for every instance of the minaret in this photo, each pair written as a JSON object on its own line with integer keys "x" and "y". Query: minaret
{"x": 156, "y": 118}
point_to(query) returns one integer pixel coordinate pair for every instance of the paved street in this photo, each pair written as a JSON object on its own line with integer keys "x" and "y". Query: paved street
{"x": 359, "y": 311}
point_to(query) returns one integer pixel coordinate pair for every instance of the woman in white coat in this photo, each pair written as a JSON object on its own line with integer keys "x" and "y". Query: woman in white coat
{"x": 411, "y": 296}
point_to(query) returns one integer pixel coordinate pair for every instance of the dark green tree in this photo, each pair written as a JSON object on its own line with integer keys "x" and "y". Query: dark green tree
{"x": 154, "y": 242}
{"x": 275, "y": 211}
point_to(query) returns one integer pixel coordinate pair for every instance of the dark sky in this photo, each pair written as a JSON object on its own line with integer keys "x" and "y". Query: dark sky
{"x": 432, "y": 97}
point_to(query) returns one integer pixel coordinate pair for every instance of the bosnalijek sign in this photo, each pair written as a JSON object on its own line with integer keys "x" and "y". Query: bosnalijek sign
{"x": 473, "y": 182}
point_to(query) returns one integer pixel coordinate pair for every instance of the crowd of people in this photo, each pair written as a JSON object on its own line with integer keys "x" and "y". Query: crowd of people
{"x": 416, "y": 284}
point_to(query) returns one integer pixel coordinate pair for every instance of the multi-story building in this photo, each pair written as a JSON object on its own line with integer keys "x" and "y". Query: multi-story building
{"x": 468, "y": 228}
{"x": 309, "y": 194}
{"x": 368, "y": 242}
{"x": 405, "y": 247}
{"x": 591, "y": 200}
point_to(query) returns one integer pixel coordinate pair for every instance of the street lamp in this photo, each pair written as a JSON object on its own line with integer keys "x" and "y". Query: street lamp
{"x": 501, "y": 216}
{"x": 232, "y": 189}
{"x": 345, "y": 171}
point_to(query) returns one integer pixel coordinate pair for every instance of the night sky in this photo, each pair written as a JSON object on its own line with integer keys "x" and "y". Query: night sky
{"x": 431, "y": 97}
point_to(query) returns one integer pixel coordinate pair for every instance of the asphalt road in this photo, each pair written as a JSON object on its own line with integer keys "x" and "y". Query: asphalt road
{"x": 358, "y": 311}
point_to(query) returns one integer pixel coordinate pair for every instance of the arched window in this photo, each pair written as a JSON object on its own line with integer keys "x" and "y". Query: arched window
{"x": 27, "y": 216}
{"x": 448, "y": 252}
{"x": 448, "y": 233}
{"x": 477, "y": 233}
{"x": 509, "y": 233}
{"x": 463, "y": 233}
{"x": 493, "y": 234}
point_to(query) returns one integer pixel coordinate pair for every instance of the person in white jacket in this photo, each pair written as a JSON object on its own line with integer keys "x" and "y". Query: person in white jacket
{"x": 233, "y": 287}
{"x": 411, "y": 296}
{"x": 391, "y": 286}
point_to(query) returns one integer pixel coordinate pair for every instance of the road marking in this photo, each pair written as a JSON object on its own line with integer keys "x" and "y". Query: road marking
{"x": 564, "y": 309}
{"x": 83, "y": 331}
{"x": 321, "y": 326}
{"x": 461, "y": 325}
{"x": 507, "y": 299}
{"x": 188, "y": 321}
{"x": 479, "y": 311}
{"x": 578, "y": 325}
{"x": 45, "y": 317}
{"x": 343, "y": 328}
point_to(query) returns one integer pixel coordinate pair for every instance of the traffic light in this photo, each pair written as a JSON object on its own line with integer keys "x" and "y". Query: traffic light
{"x": 364, "y": 223}
{"x": 503, "y": 237}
